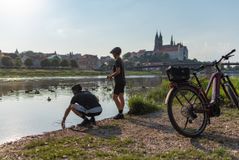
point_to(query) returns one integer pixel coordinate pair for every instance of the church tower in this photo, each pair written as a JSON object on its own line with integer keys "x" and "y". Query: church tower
{"x": 156, "y": 42}
{"x": 160, "y": 40}
{"x": 171, "y": 42}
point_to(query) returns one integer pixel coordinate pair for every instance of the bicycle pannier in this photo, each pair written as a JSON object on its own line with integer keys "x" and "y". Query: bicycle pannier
{"x": 178, "y": 74}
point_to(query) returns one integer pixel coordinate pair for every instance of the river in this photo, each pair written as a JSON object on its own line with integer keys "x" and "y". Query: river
{"x": 30, "y": 106}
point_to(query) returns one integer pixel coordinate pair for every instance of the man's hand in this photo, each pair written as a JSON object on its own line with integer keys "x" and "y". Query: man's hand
{"x": 63, "y": 124}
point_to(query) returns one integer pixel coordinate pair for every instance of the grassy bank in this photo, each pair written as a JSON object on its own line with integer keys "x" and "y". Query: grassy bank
{"x": 149, "y": 101}
{"x": 89, "y": 147}
{"x": 8, "y": 73}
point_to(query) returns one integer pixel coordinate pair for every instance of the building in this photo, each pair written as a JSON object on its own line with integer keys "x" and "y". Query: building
{"x": 89, "y": 62}
{"x": 175, "y": 51}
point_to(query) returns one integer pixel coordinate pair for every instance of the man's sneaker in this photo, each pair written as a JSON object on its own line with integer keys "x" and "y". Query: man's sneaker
{"x": 84, "y": 123}
{"x": 92, "y": 121}
{"x": 119, "y": 116}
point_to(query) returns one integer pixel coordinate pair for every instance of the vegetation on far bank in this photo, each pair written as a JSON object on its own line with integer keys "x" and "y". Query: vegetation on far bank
{"x": 12, "y": 73}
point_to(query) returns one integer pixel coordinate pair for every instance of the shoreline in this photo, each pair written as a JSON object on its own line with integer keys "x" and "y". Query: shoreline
{"x": 18, "y": 73}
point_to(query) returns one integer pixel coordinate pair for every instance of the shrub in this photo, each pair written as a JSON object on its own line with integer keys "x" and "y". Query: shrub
{"x": 159, "y": 93}
{"x": 139, "y": 105}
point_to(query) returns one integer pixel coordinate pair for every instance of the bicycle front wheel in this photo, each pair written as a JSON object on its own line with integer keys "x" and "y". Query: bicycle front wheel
{"x": 232, "y": 95}
{"x": 186, "y": 111}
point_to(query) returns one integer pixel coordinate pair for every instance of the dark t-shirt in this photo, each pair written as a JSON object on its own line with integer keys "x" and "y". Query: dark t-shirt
{"x": 120, "y": 78}
{"x": 85, "y": 99}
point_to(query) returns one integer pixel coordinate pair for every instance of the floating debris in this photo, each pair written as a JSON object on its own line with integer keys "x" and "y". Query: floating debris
{"x": 28, "y": 91}
{"x": 51, "y": 90}
{"x": 37, "y": 92}
{"x": 48, "y": 99}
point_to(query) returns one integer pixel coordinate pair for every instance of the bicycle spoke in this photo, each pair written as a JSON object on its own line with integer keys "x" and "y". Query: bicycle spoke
{"x": 179, "y": 100}
{"x": 185, "y": 126}
{"x": 185, "y": 98}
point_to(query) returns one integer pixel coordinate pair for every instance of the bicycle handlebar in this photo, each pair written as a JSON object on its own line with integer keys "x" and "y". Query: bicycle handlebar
{"x": 226, "y": 57}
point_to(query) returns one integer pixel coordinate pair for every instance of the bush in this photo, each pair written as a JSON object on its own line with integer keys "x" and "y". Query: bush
{"x": 139, "y": 105}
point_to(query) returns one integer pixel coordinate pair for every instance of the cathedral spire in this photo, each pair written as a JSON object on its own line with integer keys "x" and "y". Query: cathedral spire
{"x": 160, "y": 40}
{"x": 171, "y": 42}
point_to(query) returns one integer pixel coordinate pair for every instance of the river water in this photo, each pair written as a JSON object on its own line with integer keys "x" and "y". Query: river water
{"x": 30, "y": 106}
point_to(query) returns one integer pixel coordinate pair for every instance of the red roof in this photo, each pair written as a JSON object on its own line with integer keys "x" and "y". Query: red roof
{"x": 168, "y": 48}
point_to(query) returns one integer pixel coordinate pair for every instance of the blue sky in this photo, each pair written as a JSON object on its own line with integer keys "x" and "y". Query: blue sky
{"x": 207, "y": 28}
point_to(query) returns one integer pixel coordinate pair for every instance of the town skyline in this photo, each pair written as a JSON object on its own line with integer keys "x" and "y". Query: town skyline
{"x": 94, "y": 27}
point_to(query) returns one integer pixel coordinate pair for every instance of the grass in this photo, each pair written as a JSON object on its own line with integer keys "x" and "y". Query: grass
{"x": 88, "y": 147}
{"x": 229, "y": 114}
{"x": 149, "y": 102}
{"x": 12, "y": 73}
{"x": 139, "y": 105}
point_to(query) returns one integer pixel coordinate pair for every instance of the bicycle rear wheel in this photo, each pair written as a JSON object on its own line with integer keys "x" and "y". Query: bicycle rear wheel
{"x": 186, "y": 111}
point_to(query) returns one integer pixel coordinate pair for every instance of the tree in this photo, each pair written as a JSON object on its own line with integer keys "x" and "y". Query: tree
{"x": 7, "y": 61}
{"x": 45, "y": 63}
{"x": 74, "y": 64}
{"x": 64, "y": 63}
{"x": 55, "y": 62}
{"x": 28, "y": 62}
{"x": 18, "y": 62}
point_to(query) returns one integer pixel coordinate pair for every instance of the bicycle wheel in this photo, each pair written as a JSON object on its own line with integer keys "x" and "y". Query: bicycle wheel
{"x": 186, "y": 111}
{"x": 232, "y": 95}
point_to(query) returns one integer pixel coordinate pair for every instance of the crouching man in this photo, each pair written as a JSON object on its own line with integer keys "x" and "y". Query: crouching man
{"x": 84, "y": 104}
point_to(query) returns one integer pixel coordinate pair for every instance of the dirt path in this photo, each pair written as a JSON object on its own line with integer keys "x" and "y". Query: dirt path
{"x": 151, "y": 134}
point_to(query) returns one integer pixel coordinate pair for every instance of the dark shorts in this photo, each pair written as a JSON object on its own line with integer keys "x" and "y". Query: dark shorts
{"x": 119, "y": 88}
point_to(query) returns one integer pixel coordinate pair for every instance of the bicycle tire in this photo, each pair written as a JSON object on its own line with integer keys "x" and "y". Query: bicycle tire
{"x": 232, "y": 95}
{"x": 172, "y": 118}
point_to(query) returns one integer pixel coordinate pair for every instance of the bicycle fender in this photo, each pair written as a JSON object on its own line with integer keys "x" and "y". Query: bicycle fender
{"x": 168, "y": 95}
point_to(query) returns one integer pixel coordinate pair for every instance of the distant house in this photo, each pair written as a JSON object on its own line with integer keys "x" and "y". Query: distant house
{"x": 36, "y": 57}
{"x": 106, "y": 59}
{"x": 89, "y": 62}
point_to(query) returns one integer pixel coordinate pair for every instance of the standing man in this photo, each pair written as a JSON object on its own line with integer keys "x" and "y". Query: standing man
{"x": 120, "y": 82}
{"x": 84, "y": 104}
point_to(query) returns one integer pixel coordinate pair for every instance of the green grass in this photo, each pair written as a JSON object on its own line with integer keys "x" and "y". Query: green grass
{"x": 139, "y": 105}
{"x": 191, "y": 154}
{"x": 229, "y": 114}
{"x": 88, "y": 147}
{"x": 151, "y": 101}
{"x": 12, "y": 73}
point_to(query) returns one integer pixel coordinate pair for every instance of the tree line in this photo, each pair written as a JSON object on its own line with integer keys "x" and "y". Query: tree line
{"x": 9, "y": 62}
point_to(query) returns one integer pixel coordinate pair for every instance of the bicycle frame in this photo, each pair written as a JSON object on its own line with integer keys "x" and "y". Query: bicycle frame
{"x": 217, "y": 80}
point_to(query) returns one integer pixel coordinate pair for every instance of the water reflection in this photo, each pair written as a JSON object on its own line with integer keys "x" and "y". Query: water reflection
{"x": 26, "y": 110}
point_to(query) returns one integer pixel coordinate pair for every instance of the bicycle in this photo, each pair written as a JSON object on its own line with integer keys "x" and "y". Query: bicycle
{"x": 189, "y": 108}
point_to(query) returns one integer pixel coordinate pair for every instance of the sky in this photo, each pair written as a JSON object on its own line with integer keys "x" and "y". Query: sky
{"x": 209, "y": 28}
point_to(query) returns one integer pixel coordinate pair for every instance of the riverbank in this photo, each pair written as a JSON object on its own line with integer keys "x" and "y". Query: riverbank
{"x": 149, "y": 136}
{"x": 12, "y": 73}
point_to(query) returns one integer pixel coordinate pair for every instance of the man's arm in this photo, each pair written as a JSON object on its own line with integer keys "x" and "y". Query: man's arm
{"x": 114, "y": 73}
{"x": 65, "y": 116}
